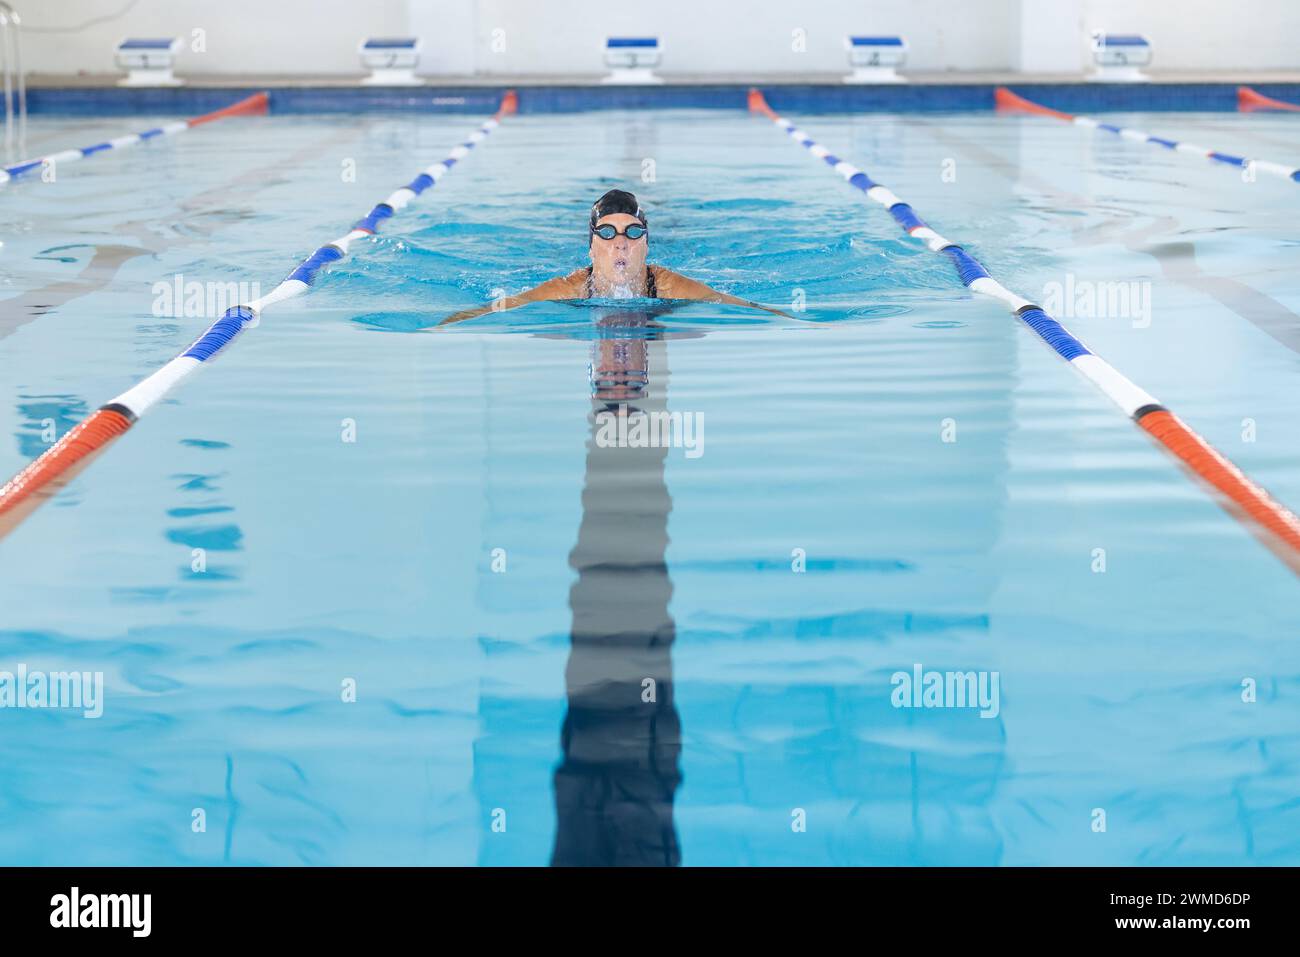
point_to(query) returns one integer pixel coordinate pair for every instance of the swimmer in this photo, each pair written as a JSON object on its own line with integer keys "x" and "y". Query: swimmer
{"x": 618, "y": 239}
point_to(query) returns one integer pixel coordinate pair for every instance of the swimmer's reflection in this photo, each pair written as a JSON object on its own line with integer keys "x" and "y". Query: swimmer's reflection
{"x": 621, "y": 738}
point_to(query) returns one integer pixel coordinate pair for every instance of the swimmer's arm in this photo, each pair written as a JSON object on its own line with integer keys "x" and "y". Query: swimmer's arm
{"x": 672, "y": 285}
{"x": 572, "y": 286}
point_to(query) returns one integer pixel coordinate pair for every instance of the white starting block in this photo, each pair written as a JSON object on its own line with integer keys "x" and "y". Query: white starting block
{"x": 1119, "y": 56}
{"x": 148, "y": 62}
{"x": 391, "y": 61}
{"x": 874, "y": 58}
{"x": 632, "y": 59}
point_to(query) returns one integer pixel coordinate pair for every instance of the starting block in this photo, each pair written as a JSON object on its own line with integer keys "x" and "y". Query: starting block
{"x": 148, "y": 62}
{"x": 1119, "y": 56}
{"x": 874, "y": 59}
{"x": 632, "y": 59}
{"x": 391, "y": 61}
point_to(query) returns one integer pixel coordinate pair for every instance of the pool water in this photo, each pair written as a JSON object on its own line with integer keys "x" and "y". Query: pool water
{"x": 565, "y": 651}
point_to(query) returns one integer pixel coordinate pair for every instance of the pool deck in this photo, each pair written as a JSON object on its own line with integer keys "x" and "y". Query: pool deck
{"x": 99, "y": 94}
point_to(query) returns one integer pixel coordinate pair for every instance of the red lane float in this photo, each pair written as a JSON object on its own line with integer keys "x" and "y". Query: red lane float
{"x": 255, "y": 105}
{"x": 1249, "y": 100}
{"x": 1004, "y": 99}
{"x": 62, "y": 462}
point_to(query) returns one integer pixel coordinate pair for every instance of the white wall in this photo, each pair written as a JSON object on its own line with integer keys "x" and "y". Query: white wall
{"x": 242, "y": 36}
{"x": 1208, "y": 34}
{"x": 1050, "y": 36}
{"x": 746, "y": 36}
{"x": 727, "y": 37}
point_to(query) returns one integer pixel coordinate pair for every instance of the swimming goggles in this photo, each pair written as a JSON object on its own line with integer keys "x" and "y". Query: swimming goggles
{"x": 608, "y": 231}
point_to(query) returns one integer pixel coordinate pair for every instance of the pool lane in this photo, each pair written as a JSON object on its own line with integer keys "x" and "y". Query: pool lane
{"x": 72, "y": 453}
{"x": 1009, "y": 101}
{"x": 1276, "y": 526}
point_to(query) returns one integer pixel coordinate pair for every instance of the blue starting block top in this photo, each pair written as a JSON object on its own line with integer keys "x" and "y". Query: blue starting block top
{"x": 137, "y": 43}
{"x": 642, "y": 42}
{"x": 1122, "y": 40}
{"x": 876, "y": 41}
{"x": 390, "y": 43}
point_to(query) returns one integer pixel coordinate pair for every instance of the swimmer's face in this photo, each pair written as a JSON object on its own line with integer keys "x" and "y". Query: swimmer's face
{"x": 619, "y": 260}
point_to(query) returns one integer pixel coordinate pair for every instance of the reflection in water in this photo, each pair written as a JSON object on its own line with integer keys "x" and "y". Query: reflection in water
{"x": 44, "y": 419}
{"x": 200, "y": 217}
{"x": 102, "y": 266}
{"x": 621, "y": 738}
{"x": 204, "y": 521}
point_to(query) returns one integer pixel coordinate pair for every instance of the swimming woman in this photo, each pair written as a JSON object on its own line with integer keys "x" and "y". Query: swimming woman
{"x": 618, "y": 241}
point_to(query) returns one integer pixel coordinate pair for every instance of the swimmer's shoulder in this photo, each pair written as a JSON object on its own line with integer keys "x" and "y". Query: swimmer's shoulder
{"x": 673, "y": 285}
{"x": 572, "y": 286}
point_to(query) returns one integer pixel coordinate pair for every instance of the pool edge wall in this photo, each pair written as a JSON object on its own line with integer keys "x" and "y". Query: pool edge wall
{"x": 804, "y": 98}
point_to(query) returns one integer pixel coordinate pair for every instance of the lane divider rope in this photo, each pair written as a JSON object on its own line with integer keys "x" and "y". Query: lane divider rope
{"x": 255, "y": 104}
{"x": 66, "y": 458}
{"x": 1005, "y": 100}
{"x": 1271, "y": 522}
{"x": 1249, "y": 100}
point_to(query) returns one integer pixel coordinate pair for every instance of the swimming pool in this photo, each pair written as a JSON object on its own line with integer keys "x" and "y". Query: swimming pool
{"x": 899, "y": 476}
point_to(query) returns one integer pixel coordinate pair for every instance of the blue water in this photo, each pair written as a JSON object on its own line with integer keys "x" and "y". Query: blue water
{"x": 500, "y": 713}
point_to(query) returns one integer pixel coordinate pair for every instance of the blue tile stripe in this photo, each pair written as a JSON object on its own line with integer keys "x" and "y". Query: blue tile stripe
{"x": 1082, "y": 97}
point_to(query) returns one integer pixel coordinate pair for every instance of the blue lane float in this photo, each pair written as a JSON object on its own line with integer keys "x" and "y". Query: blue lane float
{"x": 257, "y": 103}
{"x": 1005, "y": 100}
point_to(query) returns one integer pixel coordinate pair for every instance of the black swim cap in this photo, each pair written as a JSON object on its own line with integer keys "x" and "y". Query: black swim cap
{"x": 616, "y": 201}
